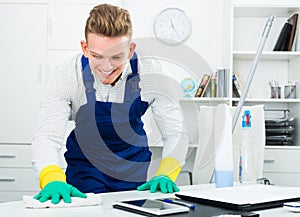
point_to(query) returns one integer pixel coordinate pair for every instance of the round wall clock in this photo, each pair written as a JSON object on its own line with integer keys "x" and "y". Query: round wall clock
{"x": 172, "y": 26}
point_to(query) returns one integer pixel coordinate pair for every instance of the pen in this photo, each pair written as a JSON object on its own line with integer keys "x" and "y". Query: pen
{"x": 191, "y": 206}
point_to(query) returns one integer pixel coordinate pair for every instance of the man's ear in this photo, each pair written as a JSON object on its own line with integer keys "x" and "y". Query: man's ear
{"x": 84, "y": 48}
{"x": 131, "y": 50}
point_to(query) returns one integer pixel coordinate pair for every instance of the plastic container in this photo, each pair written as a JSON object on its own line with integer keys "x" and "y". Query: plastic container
{"x": 223, "y": 142}
{"x": 246, "y": 166}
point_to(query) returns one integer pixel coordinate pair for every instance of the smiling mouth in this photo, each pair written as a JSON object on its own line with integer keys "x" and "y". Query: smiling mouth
{"x": 107, "y": 73}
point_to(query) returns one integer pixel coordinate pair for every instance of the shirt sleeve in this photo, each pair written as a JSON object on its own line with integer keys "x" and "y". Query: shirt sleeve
{"x": 163, "y": 92}
{"x": 54, "y": 113}
{"x": 169, "y": 122}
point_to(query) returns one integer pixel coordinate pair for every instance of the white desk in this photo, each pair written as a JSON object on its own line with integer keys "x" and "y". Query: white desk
{"x": 16, "y": 209}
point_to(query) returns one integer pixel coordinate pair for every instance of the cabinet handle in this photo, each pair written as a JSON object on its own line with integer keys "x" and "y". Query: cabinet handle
{"x": 269, "y": 160}
{"x": 43, "y": 75}
{"x": 7, "y": 156}
{"x": 7, "y": 179}
{"x": 50, "y": 27}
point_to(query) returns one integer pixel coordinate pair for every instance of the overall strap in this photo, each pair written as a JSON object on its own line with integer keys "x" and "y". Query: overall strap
{"x": 88, "y": 79}
{"x": 134, "y": 64}
{"x": 134, "y": 78}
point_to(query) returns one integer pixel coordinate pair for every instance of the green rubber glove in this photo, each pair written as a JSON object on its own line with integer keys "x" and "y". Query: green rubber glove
{"x": 162, "y": 183}
{"x": 57, "y": 190}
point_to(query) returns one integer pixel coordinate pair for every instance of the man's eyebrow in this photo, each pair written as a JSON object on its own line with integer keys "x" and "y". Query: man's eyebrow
{"x": 92, "y": 52}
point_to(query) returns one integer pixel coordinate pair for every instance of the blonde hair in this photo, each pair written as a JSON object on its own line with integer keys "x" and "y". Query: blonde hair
{"x": 109, "y": 20}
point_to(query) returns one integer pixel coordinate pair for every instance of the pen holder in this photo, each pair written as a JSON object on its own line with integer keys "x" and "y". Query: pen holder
{"x": 290, "y": 91}
{"x": 275, "y": 92}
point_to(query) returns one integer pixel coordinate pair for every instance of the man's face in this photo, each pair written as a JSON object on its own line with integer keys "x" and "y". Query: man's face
{"x": 107, "y": 55}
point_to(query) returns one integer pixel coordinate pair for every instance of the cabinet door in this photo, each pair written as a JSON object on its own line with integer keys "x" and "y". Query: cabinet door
{"x": 67, "y": 23}
{"x": 23, "y": 56}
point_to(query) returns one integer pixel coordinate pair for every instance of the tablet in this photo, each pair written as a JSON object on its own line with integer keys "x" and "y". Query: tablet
{"x": 150, "y": 207}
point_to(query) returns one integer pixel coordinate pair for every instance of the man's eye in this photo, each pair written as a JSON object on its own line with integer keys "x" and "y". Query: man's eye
{"x": 117, "y": 57}
{"x": 97, "y": 57}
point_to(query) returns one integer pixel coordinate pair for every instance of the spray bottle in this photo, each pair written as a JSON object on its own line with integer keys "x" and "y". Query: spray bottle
{"x": 246, "y": 165}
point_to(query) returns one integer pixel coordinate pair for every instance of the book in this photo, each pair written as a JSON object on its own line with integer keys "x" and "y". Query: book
{"x": 203, "y": 86}
{"x": 222, "y": 82}
{"x": 213, "y": 85}
{"x": 239, "y": 82}
{"x": 287, "y": 34}
{"x": 237, "y": 90}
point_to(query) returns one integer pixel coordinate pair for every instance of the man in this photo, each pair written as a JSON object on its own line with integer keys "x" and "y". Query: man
{"x": 106, "y": 91}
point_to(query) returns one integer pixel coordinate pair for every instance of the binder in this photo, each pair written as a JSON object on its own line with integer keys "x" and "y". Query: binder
{"x": 245, "y": 197}
{"x": 286, "y": 37}
{"x": 293, "y": 21}
{"x": 282, "y": 41}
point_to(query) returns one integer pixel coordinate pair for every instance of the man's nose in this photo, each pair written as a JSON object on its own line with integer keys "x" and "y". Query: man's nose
{"x": 106, "y": 65}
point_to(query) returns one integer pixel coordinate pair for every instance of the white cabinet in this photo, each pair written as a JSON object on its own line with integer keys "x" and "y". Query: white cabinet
{"x": 17, "y": 176}
{"x": 281, "y": 165}
{"x": 66, "y": 25}
{"x": 23, "y": 56}
{"x": 24, "y": 47}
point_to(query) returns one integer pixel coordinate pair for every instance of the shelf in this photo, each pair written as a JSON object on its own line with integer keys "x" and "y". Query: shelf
{"x": 214, "y": 100}
{"x": 269, "y": 100}
{"x": 264, "y": 11}
{"x": 190, "y": 145}
{"x": 270, "y": 55}
{"x": 285, "y": 147}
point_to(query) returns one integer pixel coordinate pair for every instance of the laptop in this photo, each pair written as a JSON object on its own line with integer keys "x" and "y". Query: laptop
{"x": 244, "y": 197}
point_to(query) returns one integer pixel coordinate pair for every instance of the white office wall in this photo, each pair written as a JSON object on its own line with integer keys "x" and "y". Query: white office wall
{"x": 206, "y": 39}
{"x": 207, "y": 28}
{"x": 207, "y": 24}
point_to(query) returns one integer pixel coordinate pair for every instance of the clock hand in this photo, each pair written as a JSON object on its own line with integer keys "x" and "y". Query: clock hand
{"x": 173, "y": 27}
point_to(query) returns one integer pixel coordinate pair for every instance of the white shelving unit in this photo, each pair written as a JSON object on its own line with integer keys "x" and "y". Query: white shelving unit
{"x": 247, "y": 22}
{"x": 242, "y": 33}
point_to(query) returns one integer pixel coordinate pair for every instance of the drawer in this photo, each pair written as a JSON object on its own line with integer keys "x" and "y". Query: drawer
{"x": 7, "y": 196}
{"x": 280, "y": 160}
{"x": 18, "y": 180}
{"x": 15, "y": 156}
{"x": 286, "y": 179}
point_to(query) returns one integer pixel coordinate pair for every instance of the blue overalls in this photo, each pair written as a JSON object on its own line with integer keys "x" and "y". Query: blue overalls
{"x": 108, "y": 149}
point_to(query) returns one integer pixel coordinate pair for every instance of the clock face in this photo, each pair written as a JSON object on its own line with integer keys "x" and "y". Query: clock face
{"x": 172, "y": 26}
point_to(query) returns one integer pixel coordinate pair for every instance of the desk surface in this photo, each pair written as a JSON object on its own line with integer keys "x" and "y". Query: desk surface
{"x": 16, "y": 209}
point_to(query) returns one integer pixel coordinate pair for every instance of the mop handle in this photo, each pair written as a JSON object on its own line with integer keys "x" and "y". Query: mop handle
{"x": 264, "y": 37}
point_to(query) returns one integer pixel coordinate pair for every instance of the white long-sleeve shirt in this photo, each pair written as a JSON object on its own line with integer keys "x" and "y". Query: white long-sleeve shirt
{"x": 65, "y": 93}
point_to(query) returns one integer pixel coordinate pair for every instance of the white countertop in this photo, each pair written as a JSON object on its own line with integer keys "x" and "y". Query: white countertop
{"x": 16, "y": 209}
